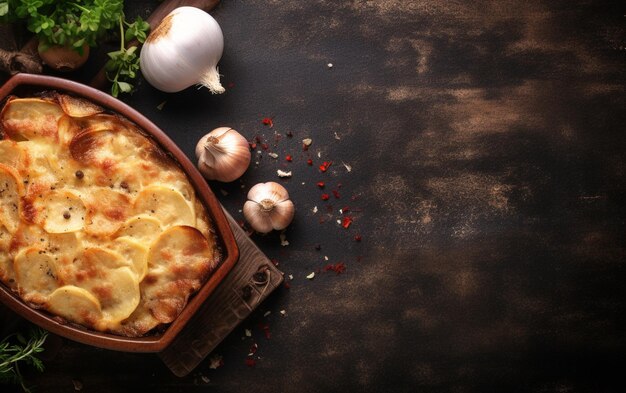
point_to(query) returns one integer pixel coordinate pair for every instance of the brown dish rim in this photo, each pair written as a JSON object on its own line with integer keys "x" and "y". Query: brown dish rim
{"x": 229, "y": 248}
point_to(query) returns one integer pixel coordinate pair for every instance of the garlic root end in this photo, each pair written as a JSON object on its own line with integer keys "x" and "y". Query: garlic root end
{"x": 211, "y": 80}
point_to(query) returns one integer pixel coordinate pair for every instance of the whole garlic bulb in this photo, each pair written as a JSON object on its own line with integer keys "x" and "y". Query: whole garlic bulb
{"x": 268, "y": 207}
{"x": 223, "y": 154}
{"x": 182, "y": 51}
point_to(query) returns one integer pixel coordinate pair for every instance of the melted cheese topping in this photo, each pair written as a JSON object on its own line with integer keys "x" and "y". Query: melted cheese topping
{"x": 97, "y": 225}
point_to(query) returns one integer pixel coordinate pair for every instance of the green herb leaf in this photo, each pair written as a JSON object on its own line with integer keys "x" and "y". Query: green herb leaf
{"x": 18, "y": 349}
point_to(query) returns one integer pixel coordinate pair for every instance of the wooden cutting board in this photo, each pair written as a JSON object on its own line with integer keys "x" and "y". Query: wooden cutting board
{"x": 249, "y": 282}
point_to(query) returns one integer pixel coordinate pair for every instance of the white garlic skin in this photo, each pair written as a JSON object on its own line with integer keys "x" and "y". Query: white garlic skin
{"x": 182, "y": 51}
{"x": 223, "y": 155}
{"x": 268, "y": 207}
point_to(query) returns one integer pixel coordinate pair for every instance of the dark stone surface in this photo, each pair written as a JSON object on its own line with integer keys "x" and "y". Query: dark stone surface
{"x": 488, "y": 177}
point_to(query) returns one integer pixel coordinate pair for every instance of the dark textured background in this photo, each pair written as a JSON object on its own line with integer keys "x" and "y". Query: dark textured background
{"x": 486, "y": 145}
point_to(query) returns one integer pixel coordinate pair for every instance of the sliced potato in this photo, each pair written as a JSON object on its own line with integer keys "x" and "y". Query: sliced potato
{"x": 36, "y": 274}
{"x": 10, "y": 153}
{"x": 78, "y": 107}
{"x": 178, "y": 262}
{"x": 42, "y": 161}
{"x": 165, "y": 204}
{"x": 135, "y": 253}
{"x": 108, "y": 277}
{"x": 124, "y": 295}
{"x": 7, "y": 274}
{"x": 141, "y": 228}
{"x": 107, "y": 210}
{"x": 11, "y": 189}
{"x": 75, "y": 304}
{"x": 87, "y": 145}
{"x": 61, "y": 211}
{"x": 67, "y": 244}
{"x": 31, "y": 118}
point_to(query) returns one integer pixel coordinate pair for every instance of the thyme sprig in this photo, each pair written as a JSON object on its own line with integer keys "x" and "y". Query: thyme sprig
{"x": 18, "y": 349}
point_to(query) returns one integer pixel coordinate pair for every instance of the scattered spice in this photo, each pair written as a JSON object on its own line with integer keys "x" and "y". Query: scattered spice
{"x": 79, "y": 174}
{"x": 216, "y": 361}
{"x": 324, "y": 166}
{"x": 336, "y": 194}
{"x": 325, "y": 197}
{"x": 268, "y": 122}
{"x": 311, "y": 276}
{"x": 309, "y": 162}
{"x": 273, "y": 155}
{"x": 357, "y": 237}
{"x": 346, "y": 221}
{"x": 67, "y": 215}
{"x": 283, "y": 173}
{"x": 348, "y": 167}
{"x": 320, "y": 184}
{"x": 288, "y": 158}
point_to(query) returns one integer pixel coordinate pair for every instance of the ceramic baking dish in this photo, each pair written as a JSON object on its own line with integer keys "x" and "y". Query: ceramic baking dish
{"x": 28, "y": 85}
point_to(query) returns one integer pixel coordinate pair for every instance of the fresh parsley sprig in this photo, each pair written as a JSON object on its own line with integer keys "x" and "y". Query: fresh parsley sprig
{"x": 66, "y": 22}
{"x": 123, "y": 64}
{"x": 18, "y": 349}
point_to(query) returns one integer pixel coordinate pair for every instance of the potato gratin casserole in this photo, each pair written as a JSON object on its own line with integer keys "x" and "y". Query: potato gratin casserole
{"x": 98, "y": 226}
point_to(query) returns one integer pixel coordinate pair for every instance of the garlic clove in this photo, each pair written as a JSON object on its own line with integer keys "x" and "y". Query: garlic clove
{"x": 268, "y": 207}
{"x": 282, "y": 215}
{"x": 223, "y": 154}
{"x": 257, "y": 218}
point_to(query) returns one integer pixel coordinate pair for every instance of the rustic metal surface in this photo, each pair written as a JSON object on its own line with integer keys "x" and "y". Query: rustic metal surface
{"x": 486, "y": 146}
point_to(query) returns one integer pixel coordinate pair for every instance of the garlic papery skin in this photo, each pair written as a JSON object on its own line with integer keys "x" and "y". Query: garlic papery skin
{"x": 223, "y": 154}
{"x": 182, "y": 51}
{"x": 268, "y": 207}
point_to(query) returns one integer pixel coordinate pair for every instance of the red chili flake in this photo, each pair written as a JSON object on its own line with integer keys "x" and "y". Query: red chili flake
{"x": 325, "y": 197}
{"x": 309, "y": 162}
{"x": 336, "y": 194}
{"x": 265, "y": 146}
{"x": 305, "y": 147}
{"x": 252, "y": 145}
{"x": 268, "y": 121}
{"x": 274, "y": 261}
{"x": 325, "y": 165}
{"x": 289, "y": 158}
{"x": 346, "y": 221}
{"x": 337, "y": 268}
{"x": 320, "y": 184}
{"x": 345, "y": 209}
{"x": 287, "y": 284}
{"x": 250, "y": 362}
{"x": 357, "y": 237}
